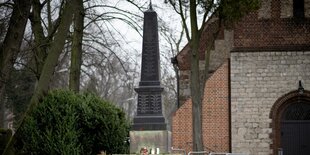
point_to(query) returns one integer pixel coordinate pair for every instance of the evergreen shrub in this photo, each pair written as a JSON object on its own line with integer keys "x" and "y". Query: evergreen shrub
{"x": 68, "y": 123}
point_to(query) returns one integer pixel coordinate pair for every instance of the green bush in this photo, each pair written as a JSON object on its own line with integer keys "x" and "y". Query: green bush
{"x": 69, "y": 123}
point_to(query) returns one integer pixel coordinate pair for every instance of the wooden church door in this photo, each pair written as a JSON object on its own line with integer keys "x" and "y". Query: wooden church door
{"x": 295, "y": 128}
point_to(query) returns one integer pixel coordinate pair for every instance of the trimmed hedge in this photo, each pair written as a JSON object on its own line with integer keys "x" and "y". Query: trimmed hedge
{"x": 68, "y": 123}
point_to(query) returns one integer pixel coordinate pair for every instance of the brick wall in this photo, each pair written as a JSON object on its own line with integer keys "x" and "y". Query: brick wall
{"x": 267, "y": 29}
{"x": 218, "y": 55}
{"x": 215, "y": 116}
{"x": 216, "y": 111}
{"x": 258, "y": 79}
{"x": 182, "y": 127}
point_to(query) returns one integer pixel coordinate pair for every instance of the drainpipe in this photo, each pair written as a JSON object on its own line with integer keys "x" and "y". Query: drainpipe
{"x": 174, "y": 62}
{"x": 229, "y": 105}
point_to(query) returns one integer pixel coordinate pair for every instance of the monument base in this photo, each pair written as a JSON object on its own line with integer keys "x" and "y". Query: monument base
{"x": 160, "y": 140}
{"x": 142, "y": 123}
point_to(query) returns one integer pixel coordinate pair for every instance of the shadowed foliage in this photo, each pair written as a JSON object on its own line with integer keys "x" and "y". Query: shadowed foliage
{"x": 69, "y": 123}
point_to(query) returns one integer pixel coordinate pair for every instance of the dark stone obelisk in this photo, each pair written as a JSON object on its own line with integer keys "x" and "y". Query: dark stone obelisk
{"x": 149, "y": 129}
{"x": 149, "y": 110}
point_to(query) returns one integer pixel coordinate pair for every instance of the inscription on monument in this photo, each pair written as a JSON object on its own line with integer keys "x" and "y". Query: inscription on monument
{"x": 150, "y": 51}
{"x": 149, "y": 68}
{"x": 149, "y": 104}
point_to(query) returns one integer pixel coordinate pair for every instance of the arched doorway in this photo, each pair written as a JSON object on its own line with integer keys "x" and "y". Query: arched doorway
{"x": 295, "y": 128}
{"x": 291, "y": 124}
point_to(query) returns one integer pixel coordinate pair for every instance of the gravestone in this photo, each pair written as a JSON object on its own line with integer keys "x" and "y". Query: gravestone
{"x": 149, "y": 129}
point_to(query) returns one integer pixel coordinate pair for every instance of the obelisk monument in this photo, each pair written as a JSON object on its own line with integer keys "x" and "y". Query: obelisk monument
{"x": 149, "y": 128}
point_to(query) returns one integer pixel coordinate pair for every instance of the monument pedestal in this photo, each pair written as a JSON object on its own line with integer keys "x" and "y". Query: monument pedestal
{"x": 151, "y": 139}
{"x": 142, "y": 123}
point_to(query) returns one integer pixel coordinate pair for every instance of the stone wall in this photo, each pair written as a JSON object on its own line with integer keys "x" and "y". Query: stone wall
{"x": 184, "y": 86}
{"x": 258, "y": 79}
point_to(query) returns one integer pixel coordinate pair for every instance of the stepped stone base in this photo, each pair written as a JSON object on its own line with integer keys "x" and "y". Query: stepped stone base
{"x": 150, "y": 140}
{"x": 142, "y": 123}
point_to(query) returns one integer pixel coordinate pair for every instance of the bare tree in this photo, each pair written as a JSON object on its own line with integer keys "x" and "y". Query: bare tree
{"x": 49, "y": 64}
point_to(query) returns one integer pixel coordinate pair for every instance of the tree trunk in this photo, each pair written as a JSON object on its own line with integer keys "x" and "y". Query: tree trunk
{"x": 2, "y": 112}
{"x": 49, "y": 66}
{"x": 76, "y": 53}
{"x": 40, "y": 50}
{"x": 195, "y": 81}
{"x": 54, "y": 53}
{"x": 12, "y": 42}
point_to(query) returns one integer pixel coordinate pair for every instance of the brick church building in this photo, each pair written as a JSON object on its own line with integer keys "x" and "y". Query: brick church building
{"x": 253, "y": 101}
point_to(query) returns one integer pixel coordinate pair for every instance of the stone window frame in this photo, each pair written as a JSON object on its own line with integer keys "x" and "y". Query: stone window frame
{"x": 264, "y": 11}
{"x": 287, "y": 9}
{"x": 275, "y": 115}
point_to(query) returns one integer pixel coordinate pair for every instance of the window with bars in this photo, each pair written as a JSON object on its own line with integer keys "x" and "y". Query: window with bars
{"x": 297, "y": 111}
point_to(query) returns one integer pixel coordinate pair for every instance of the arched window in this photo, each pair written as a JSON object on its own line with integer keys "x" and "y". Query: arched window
{"x": 297, "y": 111}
